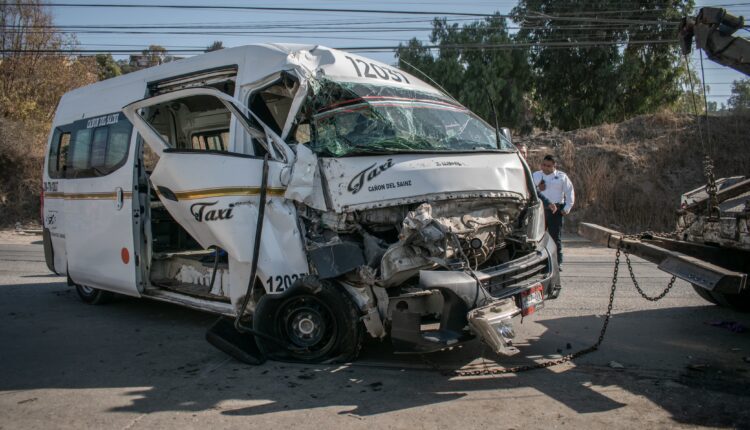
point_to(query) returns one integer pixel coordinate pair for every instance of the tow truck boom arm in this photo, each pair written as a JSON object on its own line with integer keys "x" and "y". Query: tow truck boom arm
{"x": 713, "y": 31}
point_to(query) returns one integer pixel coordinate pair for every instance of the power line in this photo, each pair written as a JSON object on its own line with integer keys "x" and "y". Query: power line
{"x": 543, "y": 17}
{"x": 535, "y": 15}
{"x": 339, "y": 25}
{"x": 497, "y": 46}
{"x": 308, "y": 23}
{"x": 260, "y": 8}
{"x": 273, "y": 33}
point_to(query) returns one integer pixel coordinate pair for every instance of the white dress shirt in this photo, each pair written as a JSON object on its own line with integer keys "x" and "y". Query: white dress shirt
{"x": 558, "y": 188}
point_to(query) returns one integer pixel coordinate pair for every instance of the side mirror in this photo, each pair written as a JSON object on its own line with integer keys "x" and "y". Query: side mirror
{"x": 505, "y": 131}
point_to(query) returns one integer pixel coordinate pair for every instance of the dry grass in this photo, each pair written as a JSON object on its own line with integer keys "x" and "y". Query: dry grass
{"x": 21, "y": 161}
{"x": 630, "y": 176}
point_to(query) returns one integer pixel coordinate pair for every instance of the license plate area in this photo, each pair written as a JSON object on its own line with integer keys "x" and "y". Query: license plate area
{"x": 532, "y": 299}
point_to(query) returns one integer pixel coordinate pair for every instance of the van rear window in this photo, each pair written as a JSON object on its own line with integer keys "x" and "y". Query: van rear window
{"x": 58, "y": 153}
{"x": 90, "y": 147}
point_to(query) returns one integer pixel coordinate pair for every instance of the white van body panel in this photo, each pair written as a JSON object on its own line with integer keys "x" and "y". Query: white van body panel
{"x": 90, "y": 220}
{"x": 53, "y": 216}
{"x": 99, "y": 231}
{"x": 377, "y": 181}
{"x": 254, "y": 62}
{"x": 218, "y": 206}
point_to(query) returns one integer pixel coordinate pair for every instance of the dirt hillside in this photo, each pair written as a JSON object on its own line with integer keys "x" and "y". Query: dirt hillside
{"x": 630, "y": 175}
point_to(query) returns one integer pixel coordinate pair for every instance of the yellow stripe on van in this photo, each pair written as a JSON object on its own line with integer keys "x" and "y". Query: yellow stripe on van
{"x": 87, "y": 196}
{"x": 226, "y": 191}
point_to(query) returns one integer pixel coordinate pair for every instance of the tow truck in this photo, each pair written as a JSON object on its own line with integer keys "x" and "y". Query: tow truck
{"x": 710, "y": 247}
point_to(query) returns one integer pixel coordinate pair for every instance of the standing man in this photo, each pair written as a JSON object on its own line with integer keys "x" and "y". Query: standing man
{"x": 524, "y": 152}
{"x": 558, "y": 189}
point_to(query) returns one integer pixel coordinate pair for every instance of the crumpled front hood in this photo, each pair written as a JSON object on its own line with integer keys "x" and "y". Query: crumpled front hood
{"x": 355, "y": 183}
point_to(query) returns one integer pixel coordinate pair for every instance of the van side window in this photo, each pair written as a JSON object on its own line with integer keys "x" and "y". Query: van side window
{"x": 97, "y": 147}
{"x": 58, "y": 154}
{"x": 214, "y": 140}
{"x": 193, "y": 123}
{"x": 273, "y": 102}
{"x": 80, "y": 151}
{"x": 118, "y": 144}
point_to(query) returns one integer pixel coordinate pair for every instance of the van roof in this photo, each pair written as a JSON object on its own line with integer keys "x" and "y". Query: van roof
{"x": 254, "y": 62}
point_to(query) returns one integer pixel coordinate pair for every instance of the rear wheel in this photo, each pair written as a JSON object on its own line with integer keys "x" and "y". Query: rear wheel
{"x": 93, "y": 296}
{"x": 313, "y": 325}
{"x": 705, "y": 294}
{"x": 739, "y": 302}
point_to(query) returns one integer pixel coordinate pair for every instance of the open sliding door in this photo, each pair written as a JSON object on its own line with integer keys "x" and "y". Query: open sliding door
{"x": 214, "y": 192}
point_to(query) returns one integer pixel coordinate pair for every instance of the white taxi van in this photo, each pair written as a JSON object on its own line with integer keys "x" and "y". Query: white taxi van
{"x": 307, "y": 195}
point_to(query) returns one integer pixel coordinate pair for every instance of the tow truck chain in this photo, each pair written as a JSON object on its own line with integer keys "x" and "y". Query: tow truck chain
{"x": 711, "y": 189}
{"x": 568, "y": 357}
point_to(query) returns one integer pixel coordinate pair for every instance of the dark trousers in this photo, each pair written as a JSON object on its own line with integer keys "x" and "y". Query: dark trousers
{"x": 554, "y": 223}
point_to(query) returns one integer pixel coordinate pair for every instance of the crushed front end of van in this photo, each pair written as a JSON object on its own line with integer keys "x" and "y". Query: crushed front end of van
{"x": 412, "y": 218}
{"x": 423, "y": 214}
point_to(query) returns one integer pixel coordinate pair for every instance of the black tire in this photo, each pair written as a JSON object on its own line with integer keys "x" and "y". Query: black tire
{"x": 739, "y": 302}
{"x": 705, "y": 294}
{"x": 319, "y": 321}
{"x": 93, "y": 296}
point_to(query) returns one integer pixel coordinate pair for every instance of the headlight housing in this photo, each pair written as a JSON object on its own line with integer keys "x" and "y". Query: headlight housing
{"x": 535, "y": 226}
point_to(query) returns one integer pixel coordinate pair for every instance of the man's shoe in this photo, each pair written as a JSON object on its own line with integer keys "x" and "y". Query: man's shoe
{"x": 559, "y": 267}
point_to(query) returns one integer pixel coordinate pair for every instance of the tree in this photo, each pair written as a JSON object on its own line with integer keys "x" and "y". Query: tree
{"x": 598, "y": 62}
{"x": 740, "y": 98}
{"x": 107, "y": 67}
{"x": 32, "y": 80}
{"x": 154, "y": 55}
{"x": 690, "y": 100}
{"x": 471, "y": 66}
{"x": 215, "y": 46}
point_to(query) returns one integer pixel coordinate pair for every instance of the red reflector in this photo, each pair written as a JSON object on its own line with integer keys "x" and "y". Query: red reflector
{"x": 532, "y": 299}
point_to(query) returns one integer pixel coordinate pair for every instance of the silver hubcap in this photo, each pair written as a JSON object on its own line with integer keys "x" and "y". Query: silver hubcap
{"x": 87, "y": 290}
{"x": 306, "y": 326}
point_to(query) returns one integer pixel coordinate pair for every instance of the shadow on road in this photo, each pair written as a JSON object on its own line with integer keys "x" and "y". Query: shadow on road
{"x": 51, "y": 340}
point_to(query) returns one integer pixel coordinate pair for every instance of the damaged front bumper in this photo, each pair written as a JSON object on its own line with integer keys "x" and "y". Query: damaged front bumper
{"x": 478, "y": 304}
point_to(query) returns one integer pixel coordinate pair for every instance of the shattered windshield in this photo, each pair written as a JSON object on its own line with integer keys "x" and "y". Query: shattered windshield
{"x": 358, "y": 118}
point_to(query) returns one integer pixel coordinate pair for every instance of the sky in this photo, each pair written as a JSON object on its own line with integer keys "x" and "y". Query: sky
{"x": 334, "y": 29}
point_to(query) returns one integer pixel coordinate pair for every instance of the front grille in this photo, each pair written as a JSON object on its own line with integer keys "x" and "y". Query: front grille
{"x": 521, "y": 272}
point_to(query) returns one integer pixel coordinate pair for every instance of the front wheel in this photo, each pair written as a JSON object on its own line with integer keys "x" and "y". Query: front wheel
{"x": 312, "y": 323}
{"x": 93, "y": 296}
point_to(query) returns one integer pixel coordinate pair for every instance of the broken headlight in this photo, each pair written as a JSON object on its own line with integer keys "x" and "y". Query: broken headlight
{"x": 493, "y": 324}
{"x": 535, "y": 223}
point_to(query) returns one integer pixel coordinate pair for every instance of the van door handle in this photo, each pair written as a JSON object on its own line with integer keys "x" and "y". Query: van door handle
{"x": 119, "y": 197}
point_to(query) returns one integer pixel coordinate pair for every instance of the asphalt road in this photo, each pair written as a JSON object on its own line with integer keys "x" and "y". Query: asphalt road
{"x": 140, "y": 364}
